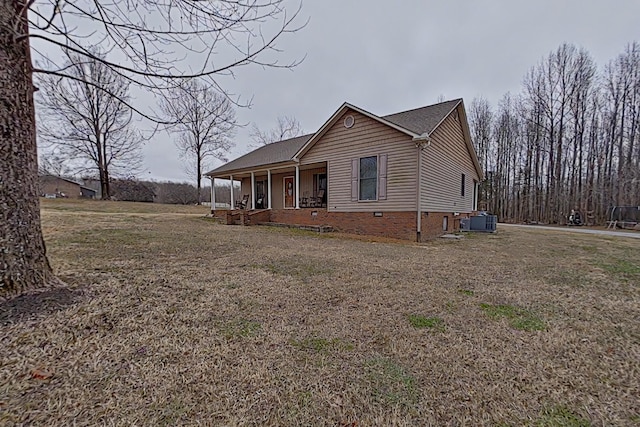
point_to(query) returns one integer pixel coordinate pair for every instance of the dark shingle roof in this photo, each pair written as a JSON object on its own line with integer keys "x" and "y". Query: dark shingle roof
{"x": 276, "y": 152}
{"x": 418, "y": 121}
{"x": 423, "y": 120}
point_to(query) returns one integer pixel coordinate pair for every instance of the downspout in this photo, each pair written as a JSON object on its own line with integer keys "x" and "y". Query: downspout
{"x": 422, "y": 142}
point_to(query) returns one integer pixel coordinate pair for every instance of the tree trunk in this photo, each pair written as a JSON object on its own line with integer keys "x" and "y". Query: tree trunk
{"x": 23, "y": 260}
{"x": 198, "y": 179}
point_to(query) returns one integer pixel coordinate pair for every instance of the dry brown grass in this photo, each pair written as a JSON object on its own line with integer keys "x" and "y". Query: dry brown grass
{"x": 176, "y": 320}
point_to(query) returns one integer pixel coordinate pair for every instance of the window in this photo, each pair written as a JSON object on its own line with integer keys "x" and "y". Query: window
{"x": 475, "y": 195}
{"x": 320, "y": 188}
{"x": 261, "y": 194}
{"x": 368, "y": 178}
{"x": 319, "y": 182}
{"x": 462, "y": 186}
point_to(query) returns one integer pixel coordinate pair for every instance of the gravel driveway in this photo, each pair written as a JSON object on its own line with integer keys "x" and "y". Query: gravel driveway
{"x": 630, "y": 234}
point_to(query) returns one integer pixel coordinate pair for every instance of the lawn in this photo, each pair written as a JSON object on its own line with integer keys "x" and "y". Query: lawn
{"x": 170, "y": 318}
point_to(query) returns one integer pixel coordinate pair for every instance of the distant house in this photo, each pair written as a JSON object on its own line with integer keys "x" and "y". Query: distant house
{"x": 93, "y": 184}
{"x": 54, "y": 187}
{"x": 408, "y": 175}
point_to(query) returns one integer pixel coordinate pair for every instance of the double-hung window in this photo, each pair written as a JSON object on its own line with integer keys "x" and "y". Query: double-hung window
{"x": 368, "y": 178}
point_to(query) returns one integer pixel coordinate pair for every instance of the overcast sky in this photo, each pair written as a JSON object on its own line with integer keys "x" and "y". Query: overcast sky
{"x": 387, "y": 57}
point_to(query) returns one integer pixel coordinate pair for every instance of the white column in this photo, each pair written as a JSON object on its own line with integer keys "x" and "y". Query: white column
{"x": 213, "y": 193}
{"x": 269, "y": 189}
{"x": 253, "y": 190}
{"x": 233, "y": 203}
{"x": 297, "y": 195}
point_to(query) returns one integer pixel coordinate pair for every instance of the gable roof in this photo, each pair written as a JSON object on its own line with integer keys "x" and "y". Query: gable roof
{"x": 49, "y": 177}
{"x": 423, "y": 120}
{"x": 417, "y": 122}
{"x": 277, "y": 152}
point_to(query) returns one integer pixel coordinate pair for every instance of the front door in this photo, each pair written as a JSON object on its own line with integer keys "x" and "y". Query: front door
{"x": 289, "y": 192}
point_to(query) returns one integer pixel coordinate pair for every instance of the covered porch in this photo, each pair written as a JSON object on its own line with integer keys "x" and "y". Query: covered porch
{"x": 277, "y": 187}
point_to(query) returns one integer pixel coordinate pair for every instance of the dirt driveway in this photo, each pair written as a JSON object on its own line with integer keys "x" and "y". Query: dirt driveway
{"x": 630, "y": 234}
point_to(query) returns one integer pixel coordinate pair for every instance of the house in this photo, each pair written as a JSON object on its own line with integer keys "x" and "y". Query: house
{"x": 409, "y": 175}
{"x": 54, "y": 186}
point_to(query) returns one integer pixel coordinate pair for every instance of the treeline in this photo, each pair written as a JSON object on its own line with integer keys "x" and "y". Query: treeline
{"x": 163, "y": 192}
{"x": 568, "y": 140}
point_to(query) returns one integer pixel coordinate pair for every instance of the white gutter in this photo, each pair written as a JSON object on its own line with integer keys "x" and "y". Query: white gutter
{"x": 422, "y": 142}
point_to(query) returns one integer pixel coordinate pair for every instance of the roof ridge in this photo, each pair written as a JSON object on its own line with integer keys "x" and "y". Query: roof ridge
{"x": 424, "y": 106}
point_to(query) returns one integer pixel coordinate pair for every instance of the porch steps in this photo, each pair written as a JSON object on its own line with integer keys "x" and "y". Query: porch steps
{"x": 316, "y": 228}
{"x": 245, "y": 217}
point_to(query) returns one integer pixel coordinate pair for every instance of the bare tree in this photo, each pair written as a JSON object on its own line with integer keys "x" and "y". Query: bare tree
{"x": 87, "y": 119}
{"x": 566, "y": 142}
{"x": 223, "y": 193}
{"x": 175, "y": 193}
{"x": 132, "y": 190}
{"x": 52, "y": 162}
{"x": 286, "y": 127}
{"x": 481, "y": 122}
{"x": 204, "y": 121}
{"x": 154, "y": 44}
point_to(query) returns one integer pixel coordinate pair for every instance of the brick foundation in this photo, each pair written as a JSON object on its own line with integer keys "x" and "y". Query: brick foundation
{"x": 433, "y": 223}
{"x": 399, "y": 225}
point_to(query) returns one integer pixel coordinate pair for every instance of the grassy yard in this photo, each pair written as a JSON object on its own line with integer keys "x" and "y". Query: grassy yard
{"x": 172, "y": 319}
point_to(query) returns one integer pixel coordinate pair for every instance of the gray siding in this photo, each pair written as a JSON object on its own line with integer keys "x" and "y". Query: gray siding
{"x": 277, "y": 189}
{"x": 245, "y": 188}
{"x": 339, "y": 145}
{"x": 443, "y": 164}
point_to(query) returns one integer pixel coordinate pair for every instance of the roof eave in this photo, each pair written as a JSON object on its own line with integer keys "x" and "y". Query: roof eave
{"x": 467, "y": 136}
{"x": 258, "y": 168}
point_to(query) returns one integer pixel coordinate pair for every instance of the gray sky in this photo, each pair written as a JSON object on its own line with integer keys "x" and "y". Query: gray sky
{"x": 388, "y": 56}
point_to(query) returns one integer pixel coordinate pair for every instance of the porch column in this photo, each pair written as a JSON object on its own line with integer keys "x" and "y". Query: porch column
{"x": 253, "y": 190}
{"x": 297, "y": 187}
{"x": 213, "y": 193}
{"x": 233, "y": 203}
{"x": 269, "y": 188}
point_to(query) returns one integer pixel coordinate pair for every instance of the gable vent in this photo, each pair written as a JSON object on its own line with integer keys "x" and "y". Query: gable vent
{"x": 349, "y": 121}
